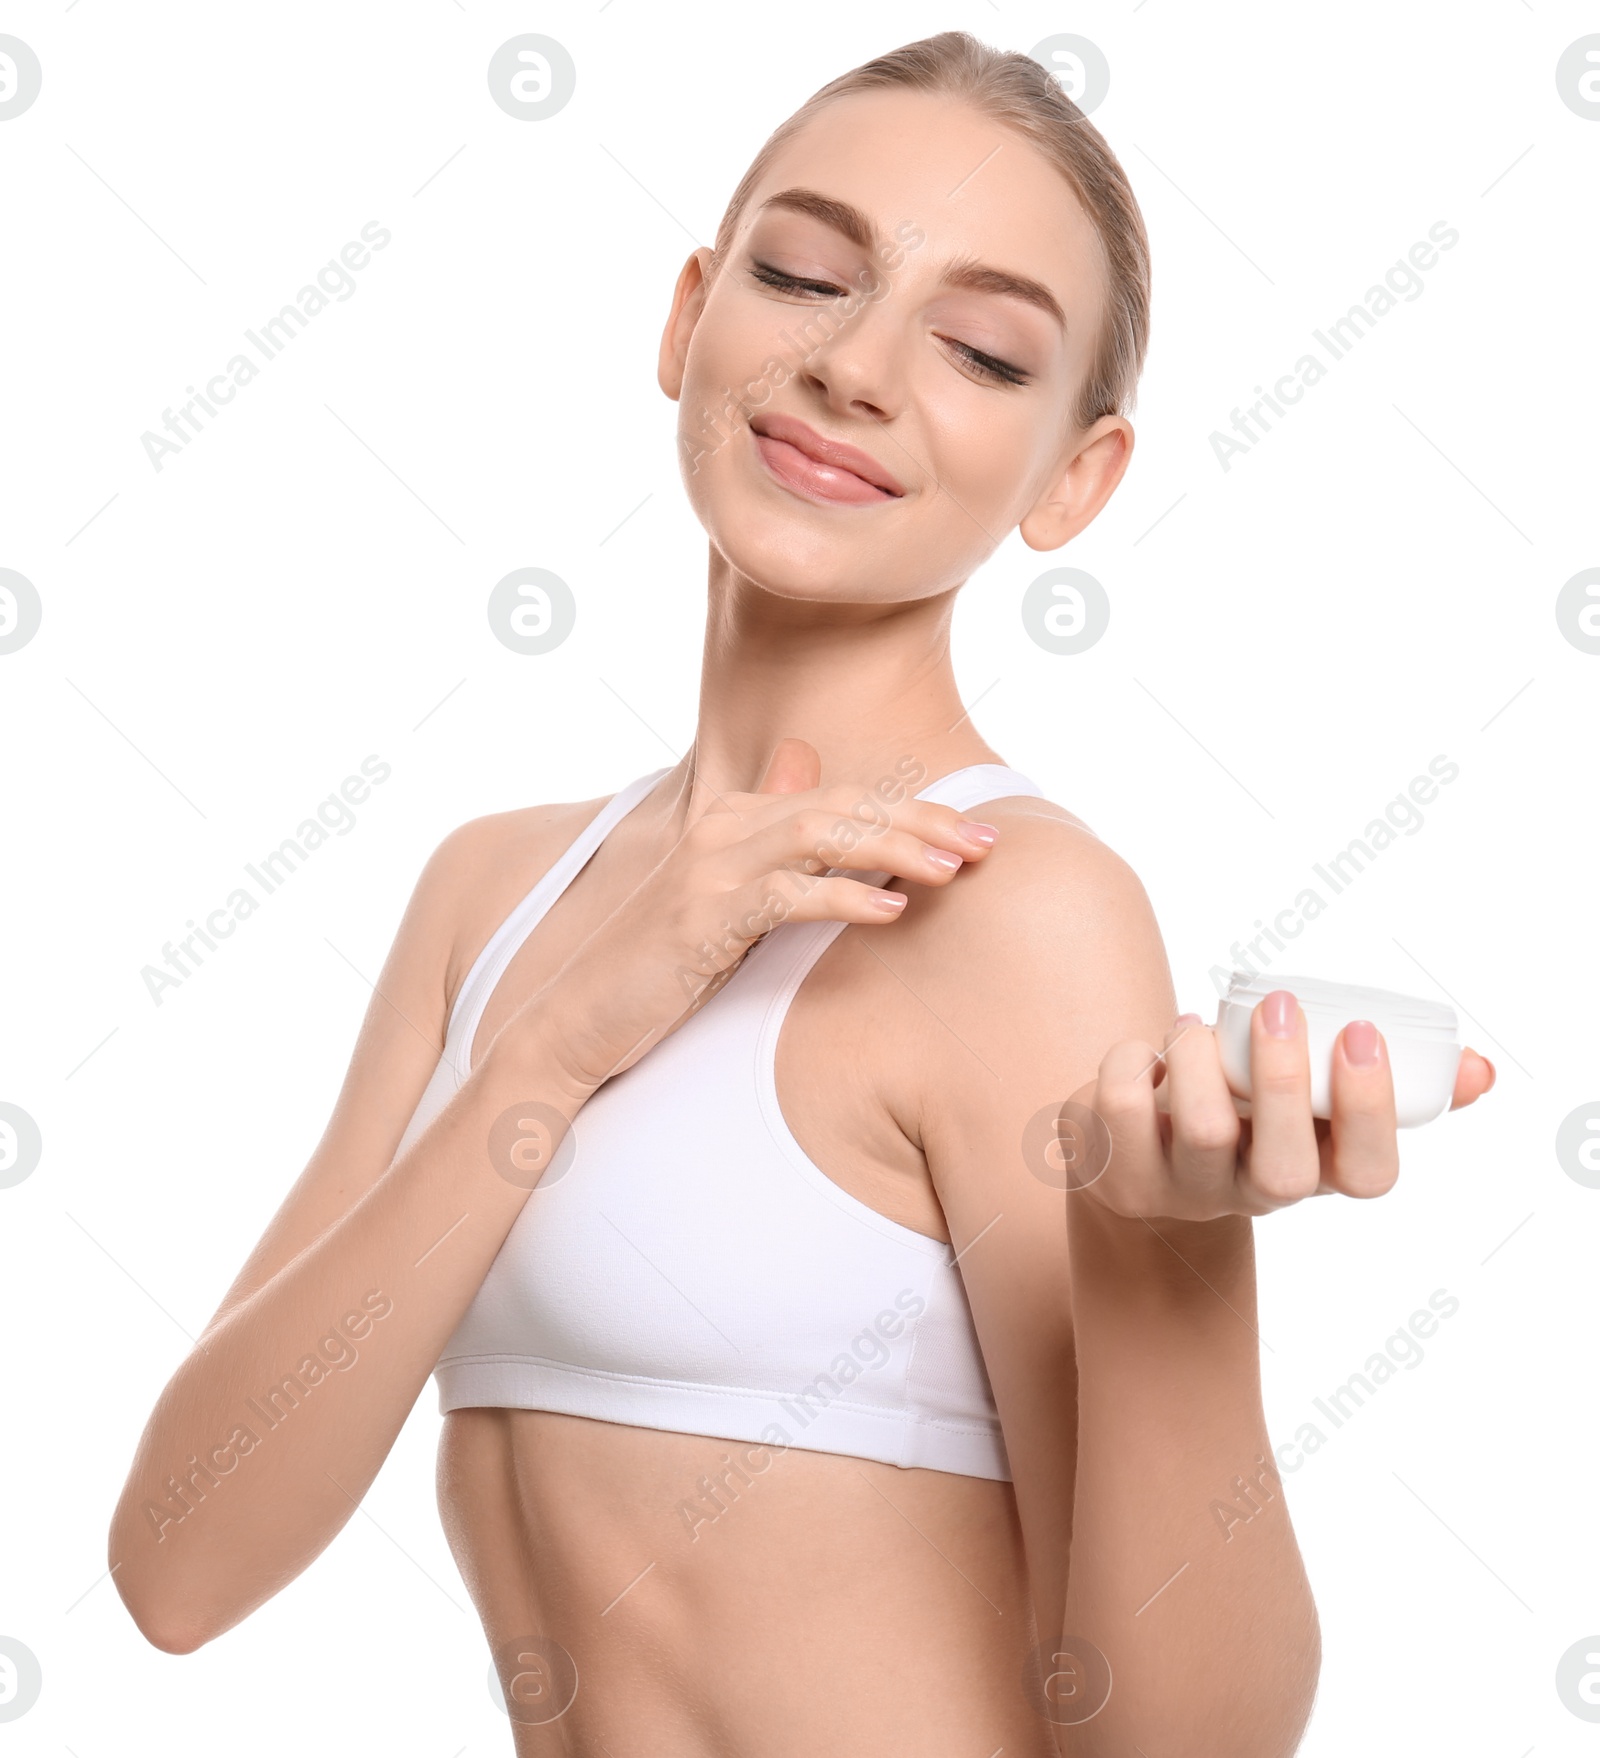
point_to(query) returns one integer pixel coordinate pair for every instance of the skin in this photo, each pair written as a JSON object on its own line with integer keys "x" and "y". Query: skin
{"x": 834, "y": 1603}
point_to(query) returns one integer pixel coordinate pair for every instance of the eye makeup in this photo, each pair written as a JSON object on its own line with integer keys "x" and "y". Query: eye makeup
{"x": 995, "y": 370}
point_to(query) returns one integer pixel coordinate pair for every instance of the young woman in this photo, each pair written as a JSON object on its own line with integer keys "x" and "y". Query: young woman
{"x": 806, "y": 1389}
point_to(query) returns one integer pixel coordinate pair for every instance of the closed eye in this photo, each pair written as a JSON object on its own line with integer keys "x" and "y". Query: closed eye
{"x": 790, "y": 283}
{"x": 998, "y": 371}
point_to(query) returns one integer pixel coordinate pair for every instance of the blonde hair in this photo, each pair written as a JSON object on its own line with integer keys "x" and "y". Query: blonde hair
{"x": 1017, "y": 91}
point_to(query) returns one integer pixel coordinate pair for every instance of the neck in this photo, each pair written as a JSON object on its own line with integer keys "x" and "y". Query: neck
{"x": 869, "y": 685}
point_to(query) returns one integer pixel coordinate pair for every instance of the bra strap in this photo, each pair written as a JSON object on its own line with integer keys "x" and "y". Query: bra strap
{"x": 490, "y": 964}
{"x": 978, "y": 782}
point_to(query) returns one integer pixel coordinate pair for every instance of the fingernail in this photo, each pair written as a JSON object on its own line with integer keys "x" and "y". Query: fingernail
{"x": 1361, "y": 1043}
{"x": 890, "y": 902}
{"x": 1187, "y": 1019}
{"x": 982, "y": 834}
{"x": 940, "y": 857}
{"x": 1492, "y": 1075}
{"x": 1278, "y": 1014}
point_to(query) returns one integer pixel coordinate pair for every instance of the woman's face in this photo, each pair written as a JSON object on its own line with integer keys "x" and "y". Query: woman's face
{"x": 919, "y": 330}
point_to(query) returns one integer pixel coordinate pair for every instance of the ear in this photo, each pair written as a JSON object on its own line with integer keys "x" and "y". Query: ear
{"x": 1082, "y": 487}
{"x": 688, "y": 300}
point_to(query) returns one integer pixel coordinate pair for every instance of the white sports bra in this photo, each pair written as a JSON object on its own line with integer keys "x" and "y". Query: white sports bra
{"x": 683, "y": 1264}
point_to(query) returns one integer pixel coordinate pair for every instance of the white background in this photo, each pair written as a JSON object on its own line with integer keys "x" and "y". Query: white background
{"x": 224, "y": 640}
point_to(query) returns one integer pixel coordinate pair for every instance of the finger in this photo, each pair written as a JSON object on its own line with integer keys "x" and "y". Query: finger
{"x": 794, "y": 767}
{"x": 1283, "y": 1164}
{"x": 816, "y": 838}
{"x": 1205, "y": 1126}
{"x": 1363, "y": 1152}
{"x": 1474, "y": 1077}
{"x": 843, "y": 816}
{"x": 1124, "y": 1098}
{"x": 887, "y": 828}
{"x": 799, "y": 897}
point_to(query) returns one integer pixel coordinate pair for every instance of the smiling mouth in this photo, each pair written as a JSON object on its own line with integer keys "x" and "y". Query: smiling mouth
{"x": 819, "y": 468}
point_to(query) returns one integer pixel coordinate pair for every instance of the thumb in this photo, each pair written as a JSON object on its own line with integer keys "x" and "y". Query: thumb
{"x": 794, "y": 767}
{"x": 1475, "y": 1075}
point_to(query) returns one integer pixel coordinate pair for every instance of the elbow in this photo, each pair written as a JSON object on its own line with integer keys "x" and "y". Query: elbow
{"x": 171, "y": 1638}
{"x": 162, "y": 1625}
{"x": 171, "y": 1627}
{"x": 165, "y": 1626}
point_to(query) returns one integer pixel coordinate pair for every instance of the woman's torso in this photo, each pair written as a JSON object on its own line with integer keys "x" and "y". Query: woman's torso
{"x": 645, "y": 1589}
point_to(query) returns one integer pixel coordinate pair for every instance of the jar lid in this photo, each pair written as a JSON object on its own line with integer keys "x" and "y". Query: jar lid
{"x": 1389, "y": 1011}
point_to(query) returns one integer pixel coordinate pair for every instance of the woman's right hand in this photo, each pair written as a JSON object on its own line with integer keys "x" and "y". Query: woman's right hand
{"x": 751, "y": 861}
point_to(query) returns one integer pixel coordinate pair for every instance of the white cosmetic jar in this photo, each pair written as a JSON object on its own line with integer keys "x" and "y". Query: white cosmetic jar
{"x": 1421, "y": 1038}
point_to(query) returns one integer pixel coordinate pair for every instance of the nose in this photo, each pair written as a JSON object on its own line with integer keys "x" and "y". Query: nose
{"x": 855, "y": 367}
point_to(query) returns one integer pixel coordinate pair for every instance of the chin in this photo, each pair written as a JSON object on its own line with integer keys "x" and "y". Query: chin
{"x": 786, "y": 561}
{"x": 809, "y": 552}
{"x": 777, "y": 541}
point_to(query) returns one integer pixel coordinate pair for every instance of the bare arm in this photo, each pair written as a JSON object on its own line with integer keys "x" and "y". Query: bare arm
{"x": 1099, "y": 1337}
{"x": 1185, "y": 1570}
{"x": 271, "y": 1431}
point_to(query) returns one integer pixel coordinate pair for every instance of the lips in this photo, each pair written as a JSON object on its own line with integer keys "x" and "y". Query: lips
{"x": 819, "y": 467}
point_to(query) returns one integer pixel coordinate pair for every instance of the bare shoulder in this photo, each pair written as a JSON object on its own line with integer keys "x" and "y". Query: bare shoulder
{"x": 483, "y": 869}
{"x": 1049, "y": 884}
{"x": 1046, "y": 950}
{"x": 1043, "y": 852}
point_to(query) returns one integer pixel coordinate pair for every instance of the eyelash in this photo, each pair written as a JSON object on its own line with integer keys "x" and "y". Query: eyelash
{"x": 997, "y": 371}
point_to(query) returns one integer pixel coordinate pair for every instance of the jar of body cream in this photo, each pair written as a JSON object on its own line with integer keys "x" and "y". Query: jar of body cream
{"x": 1421, "y": 1038}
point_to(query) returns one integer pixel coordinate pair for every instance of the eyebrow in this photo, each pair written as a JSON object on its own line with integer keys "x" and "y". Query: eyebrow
{"x": 964, "y": 272}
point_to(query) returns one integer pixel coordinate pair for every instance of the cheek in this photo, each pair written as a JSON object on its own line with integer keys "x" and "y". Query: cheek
{"x": 739, "y": 363}
{"x": 733, "y": 347}
{"x": 985, "y": 452}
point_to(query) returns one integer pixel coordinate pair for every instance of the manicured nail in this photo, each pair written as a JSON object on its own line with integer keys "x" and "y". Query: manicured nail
{"x": 890, "y": 902}
{"x": 940, "y": 857}
{"x": 1187, "y": 1019}
{"x": 1278, "y": 1014}
{"x": 982, "y": 834}
{"x": 1361, "y": 1043}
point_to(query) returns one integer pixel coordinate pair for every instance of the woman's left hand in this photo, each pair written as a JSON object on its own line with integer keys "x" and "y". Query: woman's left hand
{"x": 1178, "y": 1148}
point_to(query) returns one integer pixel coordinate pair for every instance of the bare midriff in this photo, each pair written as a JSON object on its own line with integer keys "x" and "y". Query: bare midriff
{"x": 710, "y": 1597}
